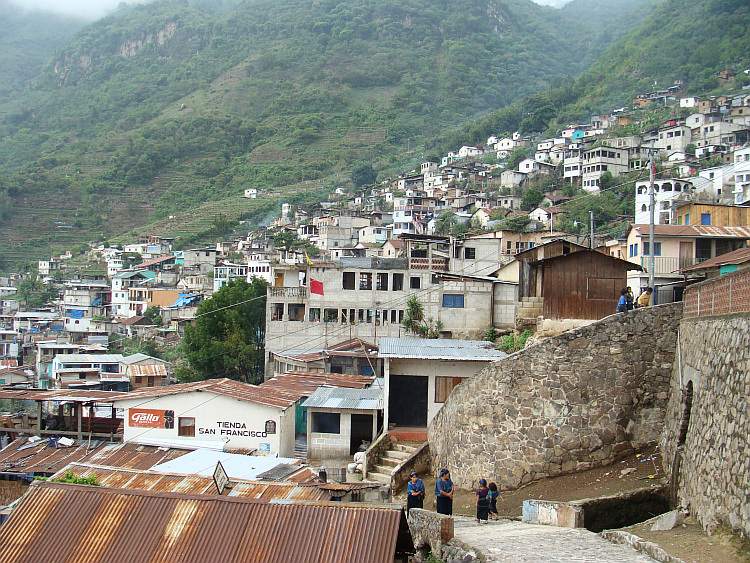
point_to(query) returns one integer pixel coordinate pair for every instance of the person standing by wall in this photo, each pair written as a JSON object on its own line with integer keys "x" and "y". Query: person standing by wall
{"x": 414, "y": 492}
{"x": 622, "y": 304}
{"x": 444, "y": 493}
{"x": 629, "y": 299}
{"x": 645, "y": 298}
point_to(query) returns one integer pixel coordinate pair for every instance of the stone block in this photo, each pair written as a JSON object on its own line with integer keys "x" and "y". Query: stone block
{"x": 667, "y": 521}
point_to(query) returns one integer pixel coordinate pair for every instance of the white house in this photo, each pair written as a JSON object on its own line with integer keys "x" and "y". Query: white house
{"x": 742, "y": 176}
{"x": 217, "y": 414}
{"x": 688, "y": 102}
{"x": 665, "y": 191}
{"x": 466, "y": 151}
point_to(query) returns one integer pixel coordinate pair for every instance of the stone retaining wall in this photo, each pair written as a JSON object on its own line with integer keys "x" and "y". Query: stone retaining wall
{"x": 706, "y": 450}
{"x": 579, "y": 400}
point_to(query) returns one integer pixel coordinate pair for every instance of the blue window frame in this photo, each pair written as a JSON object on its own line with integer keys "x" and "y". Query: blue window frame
{"x": 633, "y": 250}
{"x": 454, "y": 301}
{"x": 705, "y": 218}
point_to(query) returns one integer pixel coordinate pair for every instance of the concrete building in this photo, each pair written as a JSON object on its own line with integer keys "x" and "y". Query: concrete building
{"x": 421, "y": 373}
{"x": 742, "y": 176}
{"x": 119, "y": 296}
{"x": 45, "y": 353}
{"x": 597, "y": 161}
{"x": 665, "y": 192}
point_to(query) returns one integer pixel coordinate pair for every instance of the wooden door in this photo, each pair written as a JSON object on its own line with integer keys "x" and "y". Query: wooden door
{"x": 686, "y": 254}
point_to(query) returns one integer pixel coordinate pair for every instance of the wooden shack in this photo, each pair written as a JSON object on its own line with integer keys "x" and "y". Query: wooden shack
{"x": 584, "y": 284}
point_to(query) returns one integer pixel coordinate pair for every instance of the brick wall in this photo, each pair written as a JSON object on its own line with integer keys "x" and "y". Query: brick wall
{"x": 729, "y": 293}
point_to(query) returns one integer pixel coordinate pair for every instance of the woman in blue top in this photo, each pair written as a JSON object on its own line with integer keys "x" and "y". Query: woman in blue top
{"x": 444, "y": 493}
{"x": 414, "y": 492}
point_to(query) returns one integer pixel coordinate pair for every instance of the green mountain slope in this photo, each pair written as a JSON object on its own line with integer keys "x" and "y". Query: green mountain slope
{"x": 156, "y": 109}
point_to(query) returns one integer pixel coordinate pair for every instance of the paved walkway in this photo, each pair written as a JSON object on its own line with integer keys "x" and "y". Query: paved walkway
{"x": 508, "y": 541}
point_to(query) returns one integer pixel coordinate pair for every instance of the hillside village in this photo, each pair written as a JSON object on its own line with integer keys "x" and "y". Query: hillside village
{"x": 380, "y": 302}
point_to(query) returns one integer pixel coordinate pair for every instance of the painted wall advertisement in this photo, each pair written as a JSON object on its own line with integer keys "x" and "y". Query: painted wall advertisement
{"x": 151, "y": 418}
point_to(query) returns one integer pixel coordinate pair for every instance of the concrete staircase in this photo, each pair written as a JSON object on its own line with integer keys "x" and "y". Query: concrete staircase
{"x": 386, "y": 463}
{"x": 300, "y": 447}
{"x": 531, "y": 308}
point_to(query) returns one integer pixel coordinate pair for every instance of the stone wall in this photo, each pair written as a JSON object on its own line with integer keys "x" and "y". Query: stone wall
{"x": 705, "y": 447}
{"x": 582, "y": 399}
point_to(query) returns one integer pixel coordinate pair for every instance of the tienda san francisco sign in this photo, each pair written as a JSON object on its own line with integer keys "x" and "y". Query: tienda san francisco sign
{"x": 150, "y": 418}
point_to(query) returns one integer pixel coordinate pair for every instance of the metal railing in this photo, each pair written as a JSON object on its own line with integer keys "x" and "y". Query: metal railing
{"x": 287, "y": 291}
{"x": 669, "y": 265}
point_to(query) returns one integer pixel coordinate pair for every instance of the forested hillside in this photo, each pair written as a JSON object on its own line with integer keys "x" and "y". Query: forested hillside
{"x": 159, "y": 108}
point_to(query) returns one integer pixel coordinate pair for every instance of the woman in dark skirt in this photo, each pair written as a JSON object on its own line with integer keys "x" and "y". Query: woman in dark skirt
{"x": 483, "y": 503}
{"x": 444, "y": 493}
{"x": 414, "y": 492}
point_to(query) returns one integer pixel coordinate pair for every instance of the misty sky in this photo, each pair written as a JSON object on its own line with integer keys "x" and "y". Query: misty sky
{"x": 89, "y": 9}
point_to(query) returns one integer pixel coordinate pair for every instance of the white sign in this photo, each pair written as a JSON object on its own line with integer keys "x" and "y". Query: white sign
{"x": 221, "y": 479}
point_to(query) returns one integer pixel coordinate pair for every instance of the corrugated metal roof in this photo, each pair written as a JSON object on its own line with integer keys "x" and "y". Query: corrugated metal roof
{"x": 694, "y": 231}
{"x": 167, "y": 482}
{"x": 439, "y": 349}
{"x": 739, "y": 256}
{"x": 335, "y": 398}
{"x": 203, "y": 462}
{"x": 21, "y": 456}
{"x": 62, "y": 395}
{"x": 148, "y": 370}
{"x": 89, "y": 358}
{"x": 59, "y": 522}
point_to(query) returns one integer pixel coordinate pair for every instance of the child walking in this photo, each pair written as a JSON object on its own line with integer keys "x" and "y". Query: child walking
{"x": 492, "y": 497}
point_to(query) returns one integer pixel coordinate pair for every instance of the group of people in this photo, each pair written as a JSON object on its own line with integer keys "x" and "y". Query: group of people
{"x": 627, "y": 301}
{"x": 486, "y": 504}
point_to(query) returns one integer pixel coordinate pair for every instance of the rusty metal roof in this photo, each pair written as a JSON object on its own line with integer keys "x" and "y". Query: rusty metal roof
{"x": 59, "y": 522}
{"x": 281, "y": 392}
{"x": 694, "y": 231}
{"x": 62, "y": 395}
{"x": 21, "y": 456}
{"x": 148, "y": 370}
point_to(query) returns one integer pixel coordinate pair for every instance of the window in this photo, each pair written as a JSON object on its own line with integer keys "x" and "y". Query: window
{"x": 277, "y": 313}
{"x": 398, "y": 282}
{"x": 470, "y": 253}
{"x": 657, "y": 249}
{"x": 687, "y": 218}
{"x": 415, "y": 282}
{"x": 315, "y": 315}
{"x": 444, "y": 386}
{"x": 186, "y": 426}
{"x": 331, "y": 315}
{"x": 296, "y": 312}
{"x": 382, "y": 282}
{"x": 633, "y": 248}
{"x": 270, "y": 427}
{"x": 326, "y": 422}
{"x": 348, "y": 280}
{"x": 365, "y": 280}
{"x": 705, "y": 218}
{"x": 454, "y": 301}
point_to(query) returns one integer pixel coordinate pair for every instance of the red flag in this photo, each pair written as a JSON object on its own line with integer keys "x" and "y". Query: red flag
{"x": 316, "y": 286}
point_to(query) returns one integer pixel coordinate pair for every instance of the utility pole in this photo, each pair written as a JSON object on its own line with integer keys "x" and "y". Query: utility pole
{"x": 591, "y": 238}
{"x": 651, "y": 206}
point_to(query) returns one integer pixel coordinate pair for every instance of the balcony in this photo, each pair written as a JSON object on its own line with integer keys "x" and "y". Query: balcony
{"x": 669, "y": 265}
{"x": 287, "y": 292}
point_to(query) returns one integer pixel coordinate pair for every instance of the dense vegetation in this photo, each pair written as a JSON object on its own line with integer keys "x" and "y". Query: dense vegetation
{"x": 160, "y": 108}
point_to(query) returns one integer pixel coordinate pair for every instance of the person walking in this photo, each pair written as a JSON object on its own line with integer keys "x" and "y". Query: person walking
{"x": 414, "y": 492}
{"x": 492, "y": 496}
{"x": 483, "y": 503}
{"x": 444, "y": 493}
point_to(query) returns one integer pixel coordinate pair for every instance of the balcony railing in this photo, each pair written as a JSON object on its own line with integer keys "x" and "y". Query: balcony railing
{"x": 669, "y": 265}
{"x": 287, "y": 292}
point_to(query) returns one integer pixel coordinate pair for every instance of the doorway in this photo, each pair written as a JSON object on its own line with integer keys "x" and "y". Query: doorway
{"x": 407, "y": 403}
{"x": 361, "y": 431}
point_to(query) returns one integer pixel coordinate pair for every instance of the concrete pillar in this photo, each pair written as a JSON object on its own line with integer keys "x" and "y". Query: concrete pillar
{"x": 386, "y": 393}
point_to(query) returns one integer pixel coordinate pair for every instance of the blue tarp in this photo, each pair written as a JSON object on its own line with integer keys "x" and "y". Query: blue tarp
{"x": 76, "y": 314}
{"x": 183, "y": 300}
{"x": 96, "y": 302}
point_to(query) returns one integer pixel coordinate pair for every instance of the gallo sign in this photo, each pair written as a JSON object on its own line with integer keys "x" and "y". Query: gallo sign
{"x": 150, "y": 418}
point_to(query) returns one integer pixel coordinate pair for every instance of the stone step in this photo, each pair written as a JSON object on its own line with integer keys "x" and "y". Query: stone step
{"x": 533, "y": 300}
{"x": 390, "y": 462}
{"x": 384, "y": 469}
{"x": 379, "y": 477}
{"x": 403, "y": 448}
{"x": 395, "y": 454}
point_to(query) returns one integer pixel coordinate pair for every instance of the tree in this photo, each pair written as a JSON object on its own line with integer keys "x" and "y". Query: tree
{"x": 531, "y": 199}
{"x": 363, "y": 174}
{"x": 228, "y": 337}
{"x": 34, "y": 293}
